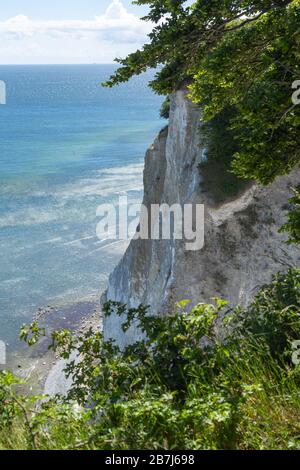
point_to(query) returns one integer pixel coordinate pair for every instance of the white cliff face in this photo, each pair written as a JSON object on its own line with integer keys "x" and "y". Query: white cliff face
{"x": 243, "y": 248}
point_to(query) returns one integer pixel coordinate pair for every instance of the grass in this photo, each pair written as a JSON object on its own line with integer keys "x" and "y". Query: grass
{"x": 173, "y": 390}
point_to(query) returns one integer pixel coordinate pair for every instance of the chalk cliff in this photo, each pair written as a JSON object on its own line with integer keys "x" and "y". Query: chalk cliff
{"x": 242, "y": 245}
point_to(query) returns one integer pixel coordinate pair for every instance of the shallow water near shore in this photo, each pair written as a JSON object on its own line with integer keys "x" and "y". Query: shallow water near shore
{"x": 67, "y": 145}
{"x": 34, "y": 364}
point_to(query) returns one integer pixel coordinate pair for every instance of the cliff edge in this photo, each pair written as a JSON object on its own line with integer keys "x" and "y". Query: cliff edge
{"x": 242, "y": 250}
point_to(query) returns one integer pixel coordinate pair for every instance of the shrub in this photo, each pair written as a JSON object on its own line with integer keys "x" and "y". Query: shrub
{"x": 165, "y": 108}
{"x": 182, "y": 387}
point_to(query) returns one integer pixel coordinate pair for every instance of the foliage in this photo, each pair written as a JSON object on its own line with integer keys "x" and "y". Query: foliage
{"x": 184, "y": 386}
{"x": 210, "y": 377}
{"x": 252, "y": 71}
{"x": 274, "y": 313}
{"x": 240, "y": 55}
{"x": 165, "y": 108}
{"x": 293, "y": 224}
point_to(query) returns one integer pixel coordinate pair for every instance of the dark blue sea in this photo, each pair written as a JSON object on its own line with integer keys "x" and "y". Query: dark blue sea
{"x": 67, "y": 145}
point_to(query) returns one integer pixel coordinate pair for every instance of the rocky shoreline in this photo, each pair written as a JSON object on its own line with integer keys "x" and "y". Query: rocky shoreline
{"x": 37, "y": 366}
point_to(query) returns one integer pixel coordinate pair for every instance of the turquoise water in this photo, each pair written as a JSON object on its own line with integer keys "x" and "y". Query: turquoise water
{"x": 67, "y": 145}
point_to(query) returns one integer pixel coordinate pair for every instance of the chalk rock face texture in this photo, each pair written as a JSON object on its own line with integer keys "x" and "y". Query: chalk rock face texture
{"x": 242, "y": 250}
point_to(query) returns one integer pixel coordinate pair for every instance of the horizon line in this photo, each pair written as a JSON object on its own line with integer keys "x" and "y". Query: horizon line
{"x": 53, "y": 63}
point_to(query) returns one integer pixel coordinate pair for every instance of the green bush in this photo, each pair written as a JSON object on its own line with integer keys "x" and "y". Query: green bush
{"x": 185, "y": 386}
{"x": 165, "y": 108}
{"x": 292, "y": 225}
{"x": 274, "y": 314}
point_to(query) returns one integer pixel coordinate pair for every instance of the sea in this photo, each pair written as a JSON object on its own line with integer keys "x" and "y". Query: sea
{"x": 67, "y": 146}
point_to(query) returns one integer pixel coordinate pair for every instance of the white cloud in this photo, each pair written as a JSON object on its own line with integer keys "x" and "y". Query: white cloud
{"x": 54, "y": 40}
{"x": 116, "y": 18}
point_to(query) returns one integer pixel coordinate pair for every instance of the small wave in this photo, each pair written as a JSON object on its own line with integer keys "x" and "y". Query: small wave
{"x": 52, "y": 240}
{"x": 107, "y": 183}
{"x": 32, "y": 216}
{"x": 78, "y": 240}
{"x": 123, "y": 170}
{"x": 122, "y": 247}
{"x": 16, "y": 280}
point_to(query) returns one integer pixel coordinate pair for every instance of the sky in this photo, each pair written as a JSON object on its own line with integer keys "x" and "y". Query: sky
{"x": 69, "y": 31}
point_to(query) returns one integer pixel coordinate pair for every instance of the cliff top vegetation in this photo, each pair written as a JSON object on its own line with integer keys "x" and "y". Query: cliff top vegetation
{"x": 242, "y": 59}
